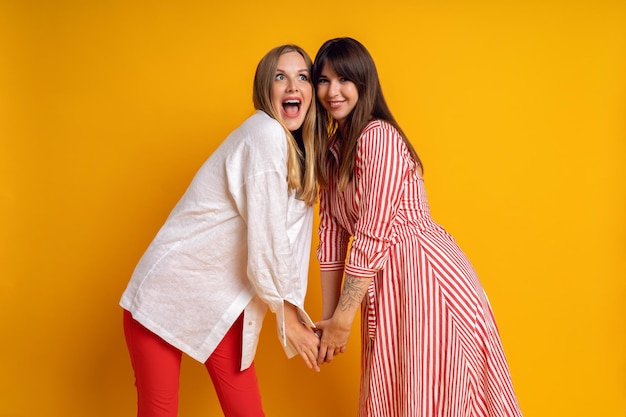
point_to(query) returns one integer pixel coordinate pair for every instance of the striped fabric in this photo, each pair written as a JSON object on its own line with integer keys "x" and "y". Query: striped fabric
{"x": 430, "y": 344}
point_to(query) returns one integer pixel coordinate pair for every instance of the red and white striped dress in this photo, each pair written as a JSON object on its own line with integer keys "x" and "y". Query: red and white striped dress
{"x": 430, "y": 345}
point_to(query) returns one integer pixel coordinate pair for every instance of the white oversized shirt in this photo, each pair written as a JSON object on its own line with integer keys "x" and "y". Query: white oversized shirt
{"x": 236, "y": 241}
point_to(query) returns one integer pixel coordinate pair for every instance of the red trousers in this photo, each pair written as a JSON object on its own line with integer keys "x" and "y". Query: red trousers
{"x": 156, "y": 364}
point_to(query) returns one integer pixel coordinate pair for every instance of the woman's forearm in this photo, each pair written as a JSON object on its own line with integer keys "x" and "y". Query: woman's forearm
{"x": 331, "y": 288}
{"x": 354, "y": 289}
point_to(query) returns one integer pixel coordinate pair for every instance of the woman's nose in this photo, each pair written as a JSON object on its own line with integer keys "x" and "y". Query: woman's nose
{"x": 333, "y": 89}
{"x": 292, "y": 85}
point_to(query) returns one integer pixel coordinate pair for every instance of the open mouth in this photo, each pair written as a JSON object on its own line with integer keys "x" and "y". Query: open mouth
{"x": 291, "y": 107}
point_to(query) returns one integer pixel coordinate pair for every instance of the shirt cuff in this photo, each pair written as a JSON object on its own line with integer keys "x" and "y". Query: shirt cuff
{"x": 290, "y": 350}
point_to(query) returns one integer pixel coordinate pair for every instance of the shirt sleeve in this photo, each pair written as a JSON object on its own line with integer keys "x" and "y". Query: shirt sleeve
{"x": 381, "y": 169}
{"x": 261, "y": 195}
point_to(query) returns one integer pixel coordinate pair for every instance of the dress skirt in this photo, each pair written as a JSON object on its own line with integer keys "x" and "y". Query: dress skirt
{"x": 430, "y": 344}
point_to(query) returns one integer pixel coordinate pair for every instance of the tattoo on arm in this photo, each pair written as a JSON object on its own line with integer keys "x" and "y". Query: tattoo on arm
{"x": 352, "y": 293}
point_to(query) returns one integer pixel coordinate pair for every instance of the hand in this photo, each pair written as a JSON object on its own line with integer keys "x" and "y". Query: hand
{"x": 305, "y": 341}
{"x": 334, "y": 340}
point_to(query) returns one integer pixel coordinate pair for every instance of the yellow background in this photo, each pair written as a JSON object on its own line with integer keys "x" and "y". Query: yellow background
{"x": 108, "y": 108}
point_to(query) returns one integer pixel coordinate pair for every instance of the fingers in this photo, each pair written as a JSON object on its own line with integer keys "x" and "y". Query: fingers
{"x": 312, "y": 353}
{"x": 330, "y": 355}
{"x": 332, "y": 341}
{"x": 321, "y": 354}
{"x": 310, "y": 359}
{"x": 308, "y": 347}
{"x": 327, "y": 351}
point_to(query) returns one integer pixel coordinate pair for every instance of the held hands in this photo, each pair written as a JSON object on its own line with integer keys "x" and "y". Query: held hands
{"x": 336, "y": 329}
{"x": 320, "y": 345}
{"x": 306, "y": 343}
{"x": 302, "y": 337}
{"x": 334, "y": 340}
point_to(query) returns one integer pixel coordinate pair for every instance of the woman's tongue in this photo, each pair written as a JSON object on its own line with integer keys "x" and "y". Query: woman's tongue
{"x": 291, "y": 109}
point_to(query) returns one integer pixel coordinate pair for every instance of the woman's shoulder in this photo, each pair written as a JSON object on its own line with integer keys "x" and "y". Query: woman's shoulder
{"x": 259, "y": 138}
{"x": 378, "y": 138}
{"x": 379, "y": 126}
{"x": 262, "y": 123}
{"x": 378, "y": 132}
{"x": 261, "y": 132}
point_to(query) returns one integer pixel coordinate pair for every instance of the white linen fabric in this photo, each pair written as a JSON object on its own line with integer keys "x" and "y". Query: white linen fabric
{"x": 237, "y": 241}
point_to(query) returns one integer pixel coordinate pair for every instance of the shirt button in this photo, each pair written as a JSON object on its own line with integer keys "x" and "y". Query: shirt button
{"x": 249, "y": 323}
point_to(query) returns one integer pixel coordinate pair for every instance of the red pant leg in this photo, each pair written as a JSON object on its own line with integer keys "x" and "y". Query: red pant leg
{"x": 157, "y": 370}
{"x": 238, "y": 391}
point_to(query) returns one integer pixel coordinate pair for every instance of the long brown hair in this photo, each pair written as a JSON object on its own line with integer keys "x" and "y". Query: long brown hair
{"x": 301, "y": 172}
{"x": 350, "y": 59}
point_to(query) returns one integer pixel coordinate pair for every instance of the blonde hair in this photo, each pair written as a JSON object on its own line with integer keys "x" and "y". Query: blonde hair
{"x": 301, "y": 169}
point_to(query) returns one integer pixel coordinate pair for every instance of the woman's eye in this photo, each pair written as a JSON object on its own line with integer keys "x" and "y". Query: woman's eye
{"x": 280, "y": 77}
{"x": 322, "y": 81}
{"x": 303, "y": 77}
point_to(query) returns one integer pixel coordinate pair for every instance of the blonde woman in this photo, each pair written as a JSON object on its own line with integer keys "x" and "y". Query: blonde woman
{"x": 236, "y": 244}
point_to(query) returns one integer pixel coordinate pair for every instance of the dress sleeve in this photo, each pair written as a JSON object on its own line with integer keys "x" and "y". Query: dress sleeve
{"x": 381, "y": 168}
{"x": 333, "y": 238}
